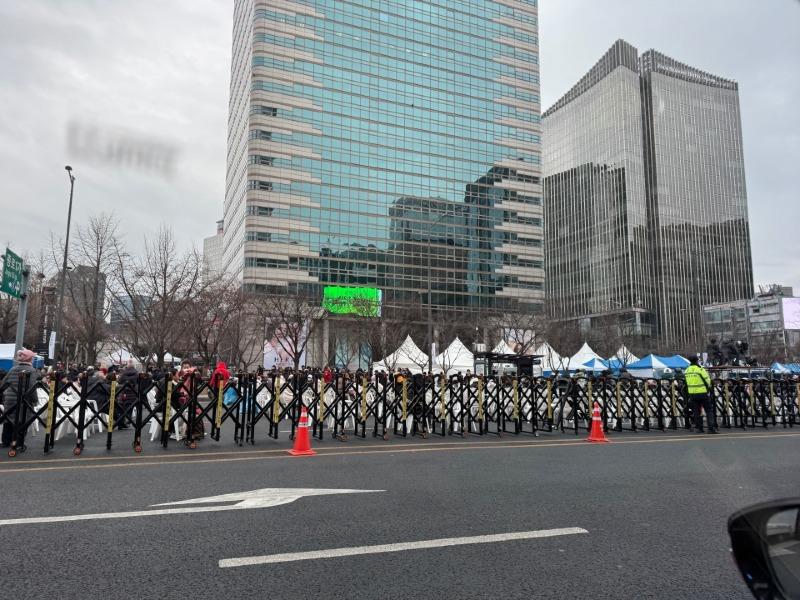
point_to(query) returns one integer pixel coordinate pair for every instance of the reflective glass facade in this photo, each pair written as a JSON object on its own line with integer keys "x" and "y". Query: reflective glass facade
{"x": 597, "y": 256}
{"x": 380, "y": 143}
{"x": 645, "y": 199}
{"x": 696, "y": 192}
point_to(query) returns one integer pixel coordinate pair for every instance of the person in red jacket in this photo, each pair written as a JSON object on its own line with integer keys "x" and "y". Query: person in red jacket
{"x": 220, "y": 374}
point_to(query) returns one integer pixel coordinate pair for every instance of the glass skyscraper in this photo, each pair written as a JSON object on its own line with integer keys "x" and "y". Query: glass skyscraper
{"x": 645, "y": 197}
{"x": 380, "y": 143}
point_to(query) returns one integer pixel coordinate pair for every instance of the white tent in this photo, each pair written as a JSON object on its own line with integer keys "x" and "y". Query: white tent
{"x": 551, "y": 360}
{"x": 456, "y": 358}
{"x": 407, "y": 356}
{"x": 584, "y": 355}
{"x": 503, "y": 348}
{"x": 117, "y": 356}
{"x": 168, "y": 359}
{"x": 625, "y": 356}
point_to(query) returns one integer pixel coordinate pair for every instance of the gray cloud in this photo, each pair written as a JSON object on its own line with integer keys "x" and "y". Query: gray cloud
{"x": 154, "y": 71}
{"x": 160, "y": 69}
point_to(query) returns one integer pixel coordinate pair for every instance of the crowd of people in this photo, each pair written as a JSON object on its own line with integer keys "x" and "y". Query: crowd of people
{"x": 94, "y": 381}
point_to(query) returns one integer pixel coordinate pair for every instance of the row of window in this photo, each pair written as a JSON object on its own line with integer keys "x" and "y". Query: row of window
{"x": 346, "y": 21}
{"x": 344, "y": 100}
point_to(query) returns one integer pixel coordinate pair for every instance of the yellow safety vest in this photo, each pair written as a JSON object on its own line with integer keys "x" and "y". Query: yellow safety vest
{"x": 697, "y": 380}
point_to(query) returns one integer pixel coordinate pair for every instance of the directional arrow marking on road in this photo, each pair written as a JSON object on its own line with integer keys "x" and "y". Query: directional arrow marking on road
{"x": 263, "y": 498}
{"x": 400, "y": 547}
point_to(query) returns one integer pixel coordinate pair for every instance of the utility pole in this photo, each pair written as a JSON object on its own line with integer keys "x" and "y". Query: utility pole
{"x": 59, "y": 313}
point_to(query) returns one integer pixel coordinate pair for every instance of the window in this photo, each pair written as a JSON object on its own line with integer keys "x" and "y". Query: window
{"x": 257, "y": 184}
{"x": 533, "y": 200}
{"x": 269, "y": 263}
{"x": 260, "y": 211}
{"x": 257, "y": 159}
{"x": 260, "y": 134}
{"x": 260, "y": 109}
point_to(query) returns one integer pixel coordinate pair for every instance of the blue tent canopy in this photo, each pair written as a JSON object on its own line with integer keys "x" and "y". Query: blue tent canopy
{"x": 779, "y": 368}
{"x": 674, "y": 362}
{"x": 651, "y": 361}
{"x": 794, "y": 368}
{"x": 596, "y": 364}
{"x": 615, "y": 364}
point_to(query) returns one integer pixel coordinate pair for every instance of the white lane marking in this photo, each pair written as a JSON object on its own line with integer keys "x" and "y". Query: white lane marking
{"x": 262, "y": 498}
{"x": 400, "y": 547}
{"x": 266, "y": 497}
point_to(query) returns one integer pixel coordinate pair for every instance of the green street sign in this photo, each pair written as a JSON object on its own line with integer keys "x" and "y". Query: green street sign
{"x": 11, "y": 283}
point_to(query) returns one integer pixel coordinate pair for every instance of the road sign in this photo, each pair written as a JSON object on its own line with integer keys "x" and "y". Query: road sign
{"x": 263, "y": 498}
{"x": 11, "y": 283}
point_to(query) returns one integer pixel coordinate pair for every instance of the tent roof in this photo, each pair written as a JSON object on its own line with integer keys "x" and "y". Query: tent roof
{"x": 456, "y": 357}
{"x": 651, "y": 361}
{"x": 595, "y": 364}
{"x": 407, "y": 356}
{"x": 582, "y": 356}
{"x": 551, "y": 360}
{"x": 503, "y": 348}
{"x": 7, "y": 351}
{"x": 624, "y": 355}
{"x": 674, "y": 362}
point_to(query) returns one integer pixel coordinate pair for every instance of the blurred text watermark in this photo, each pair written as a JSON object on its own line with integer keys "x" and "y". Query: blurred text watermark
{"x": 125, "y": 149}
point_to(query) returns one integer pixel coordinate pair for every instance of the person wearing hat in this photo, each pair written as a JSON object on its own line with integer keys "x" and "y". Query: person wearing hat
{"x": 22, "y": 371}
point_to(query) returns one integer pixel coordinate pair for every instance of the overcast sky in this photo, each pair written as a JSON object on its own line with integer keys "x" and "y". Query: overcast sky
{"x": 156, "y": 72}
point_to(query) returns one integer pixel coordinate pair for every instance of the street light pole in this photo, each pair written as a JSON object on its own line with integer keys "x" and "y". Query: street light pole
{"x": 59, "y": 313}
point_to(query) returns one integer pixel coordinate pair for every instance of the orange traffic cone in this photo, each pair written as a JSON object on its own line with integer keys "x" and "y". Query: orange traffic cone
{"x": 597, "y": 434}
{"x": 302, "y": 441}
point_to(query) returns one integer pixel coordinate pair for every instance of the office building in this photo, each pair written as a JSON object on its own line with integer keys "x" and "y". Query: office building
{"x": 768, "y": 322}
{"x": 84, "y": 291}
{"x": 368, "y": 139}
{"x": 645, "y": 200}
{"x": 212, "y": 254}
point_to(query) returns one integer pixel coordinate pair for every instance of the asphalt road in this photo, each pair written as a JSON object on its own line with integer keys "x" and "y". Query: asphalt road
{"x": 654, "y": 507}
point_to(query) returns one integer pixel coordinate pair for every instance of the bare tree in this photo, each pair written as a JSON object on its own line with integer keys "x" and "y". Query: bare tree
{"x": 522, "y": 330}
{"x": 91, "y": 258}
{"x": 769, "y": 348}
{"x": 8, "y": 318}
{"x": 348, "y": 339}
{"x": 290, "y": 322}
{"x": 211, "y": 317}
{"x": 450, "y": 325}
{"x": 40, "y": 296}
{"x": 242, "y": 340}
{"x": 565, "y": 339}
{"x": 153, "y": 295}
{"x": 383, "y": 329}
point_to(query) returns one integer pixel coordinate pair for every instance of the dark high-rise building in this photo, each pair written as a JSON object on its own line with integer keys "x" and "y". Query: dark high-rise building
{"x": 696, "y": 189}
{"x": 646, "y": 210}
{"x": 340, "y": 109}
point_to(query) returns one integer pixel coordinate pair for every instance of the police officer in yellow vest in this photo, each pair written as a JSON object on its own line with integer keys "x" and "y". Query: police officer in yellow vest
{"x": 698, "y": 387}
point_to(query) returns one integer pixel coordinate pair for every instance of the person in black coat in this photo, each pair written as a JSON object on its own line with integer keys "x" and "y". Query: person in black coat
{"x": 127, "y": 384}
{"x": 98, "y": 389}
